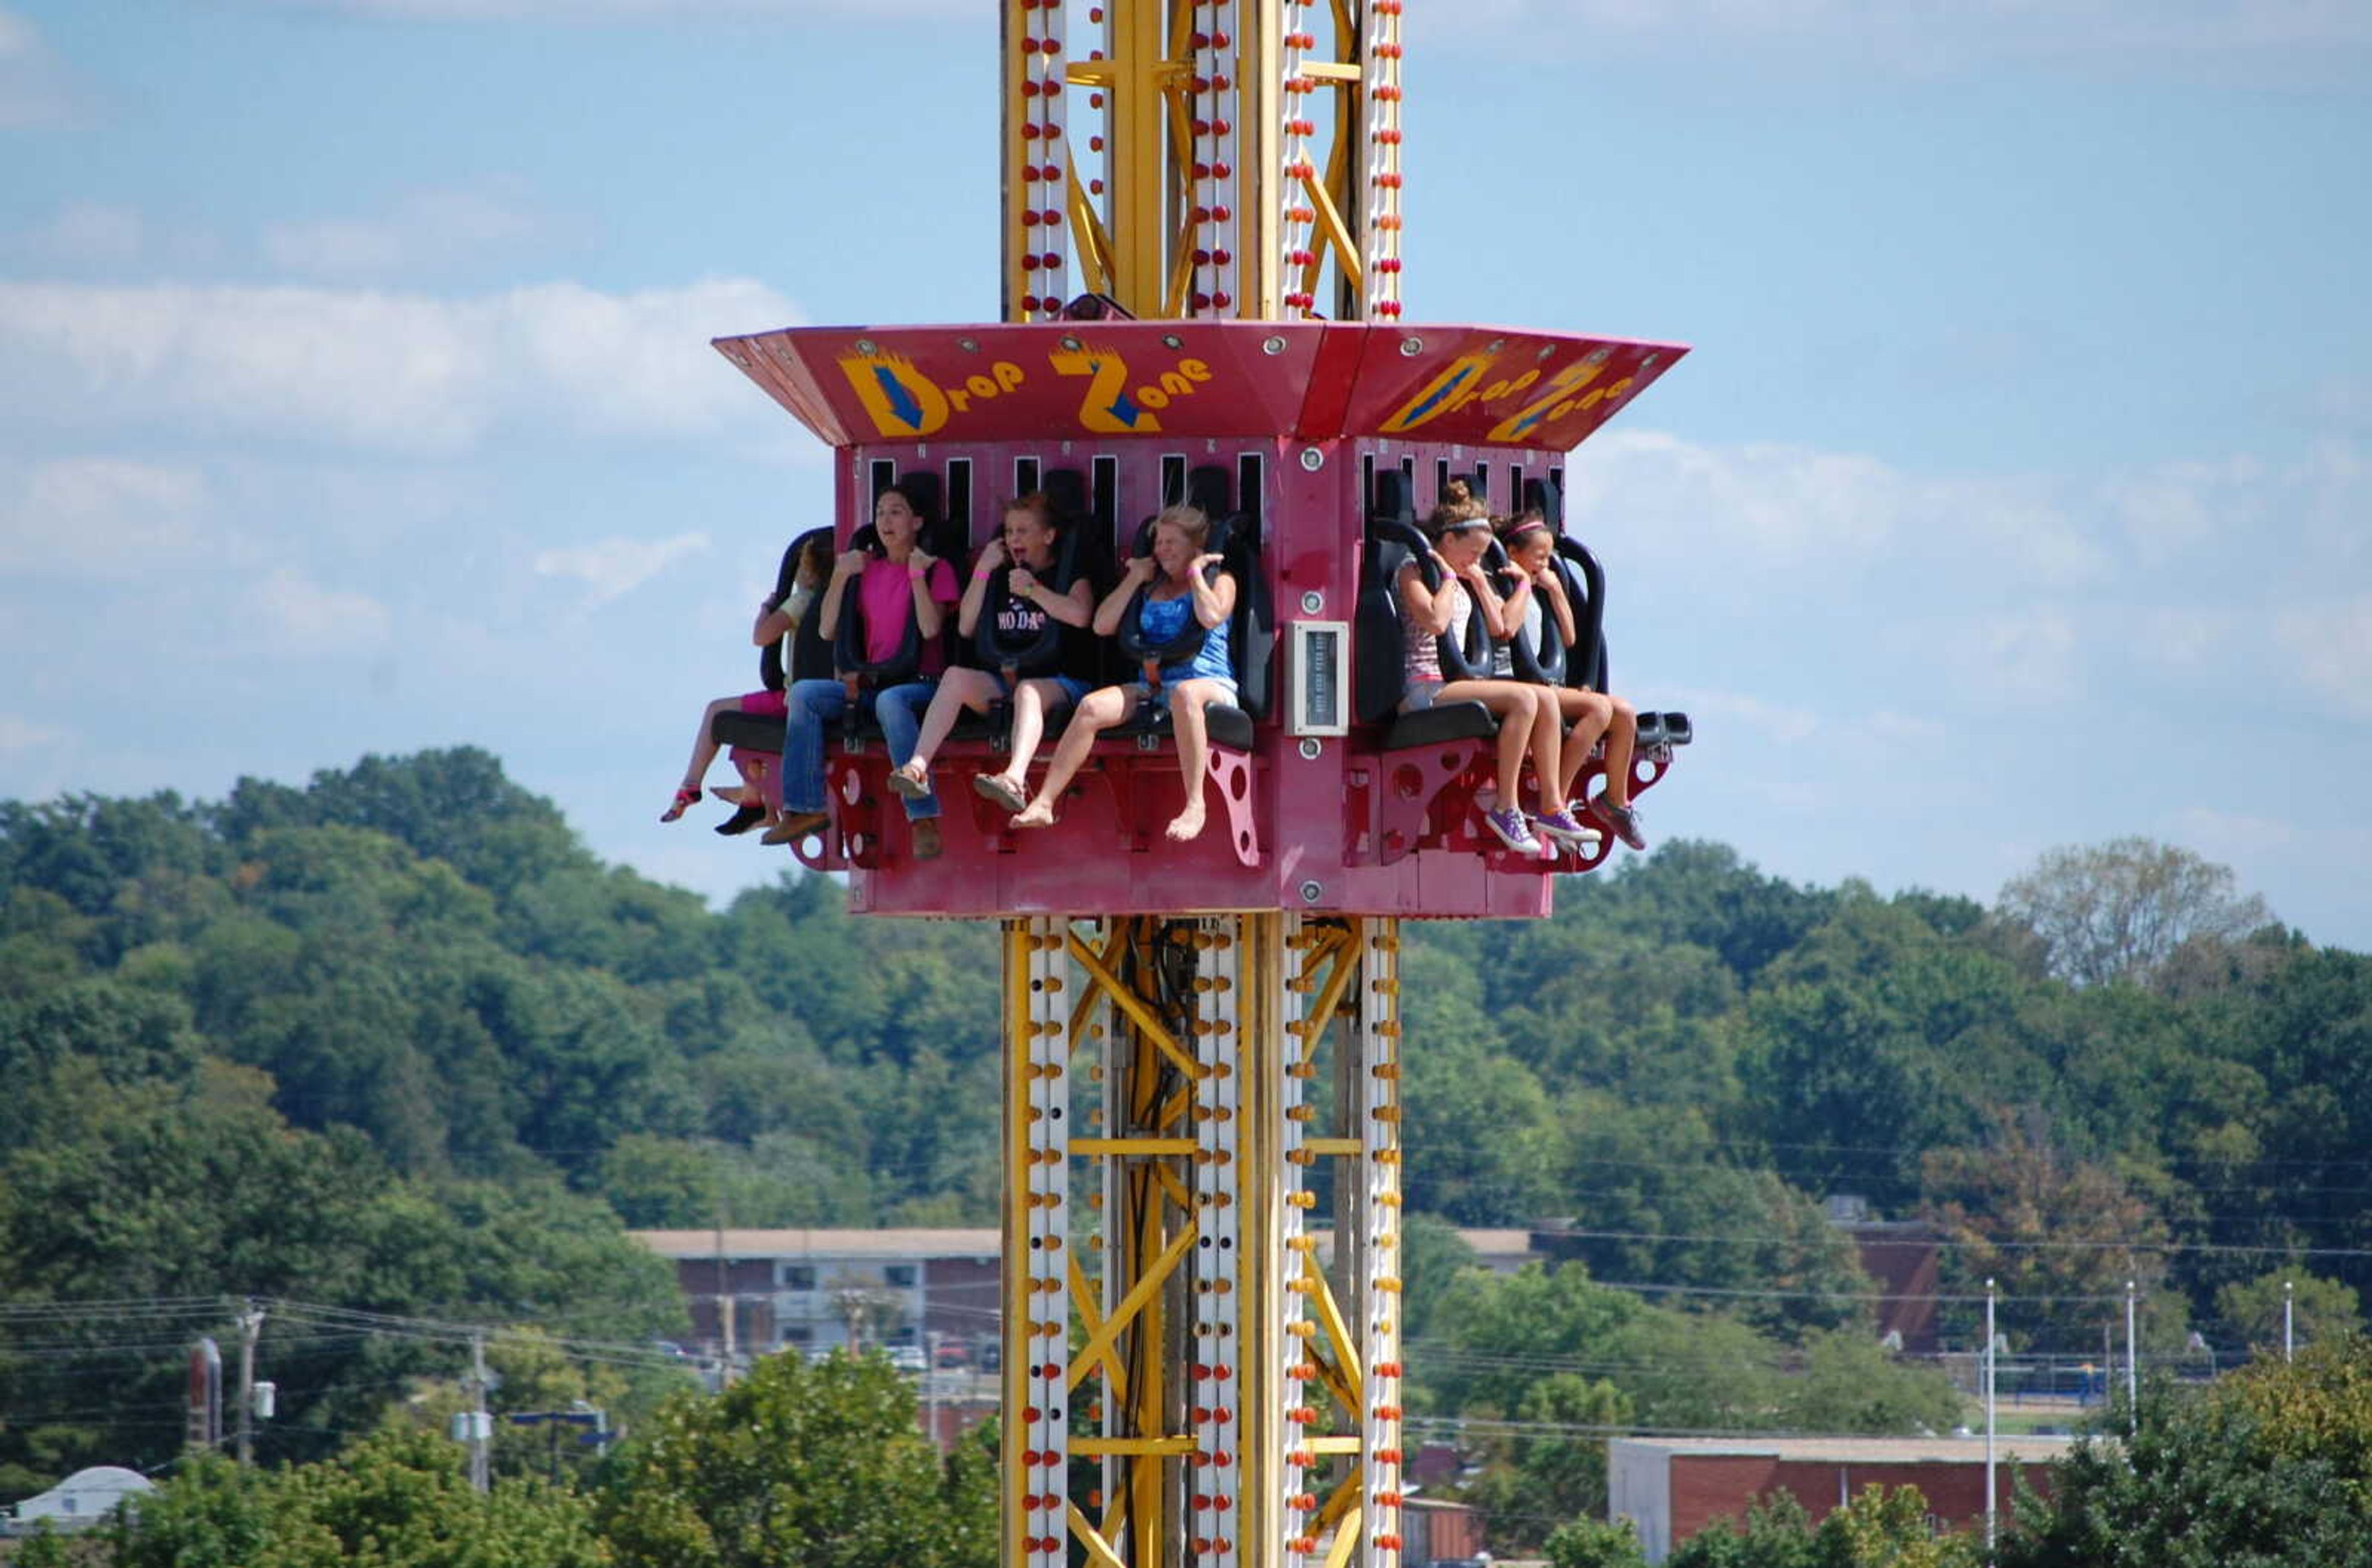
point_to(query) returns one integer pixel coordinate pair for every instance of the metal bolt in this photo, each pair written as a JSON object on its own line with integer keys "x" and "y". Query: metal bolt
{"x": 1312, "y": 602}
{"x": 1312, "y": 891}
{"x": 970, "y": 346}
{"x": 1412, "y": 347}
{"x": 1310, "y": 749}
{"x": 864, "y": 345}
{"x": 1312, "y": 458}
{"x": 1171, "y": 340}
{"x": 1272, "y": 345}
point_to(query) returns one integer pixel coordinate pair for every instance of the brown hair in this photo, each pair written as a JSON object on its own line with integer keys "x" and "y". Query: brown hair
{"x": 1512, "y": 529}
{"x": 1036, "y": 503}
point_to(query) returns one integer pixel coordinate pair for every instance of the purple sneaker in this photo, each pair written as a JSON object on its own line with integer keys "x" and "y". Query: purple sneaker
{"x": 1561, "y": 827}
{"x": 1623, "y": 819}
{"x": 1513, "y": 830}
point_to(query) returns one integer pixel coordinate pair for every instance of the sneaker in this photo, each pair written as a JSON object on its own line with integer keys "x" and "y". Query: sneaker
{"x": 1623, "y": 819}
{"x": 1513, "y": 830}
{"x": 1562, "y": 826}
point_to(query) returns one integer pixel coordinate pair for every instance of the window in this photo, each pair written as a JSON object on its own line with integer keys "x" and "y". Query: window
{"x": 1440, "y": 479}
{"x": 1251, "y": 483}
{"x": 885, "y": 474}
{"x": 1483, "y": 482}
{"x": 798, "y": 1276}
{"x": 899, "y": 1276}
{"x": 1105, "y": 473}
{"x": 1024, "y": 475}
{"x": 1173, "y": 478}
{"x": 1367, "y": 483}
{"x": 960, "y": 495}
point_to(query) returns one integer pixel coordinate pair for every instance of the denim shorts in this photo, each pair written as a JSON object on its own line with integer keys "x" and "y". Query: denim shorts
{"x": 1073, "y": 687}
{"x": 1419, "y": 695}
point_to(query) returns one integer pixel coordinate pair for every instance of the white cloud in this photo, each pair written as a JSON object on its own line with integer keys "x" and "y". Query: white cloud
{"x": 405, "y": 372}
{"x": 423, "y": 231}
{"x": 103, "y": 517}
{"x": 611, "y": 567}
{"x": 299, "y": 616}
{"x": 1782, "y": 722}
{"x": 1767, "y": 506}
{"x": 2332, "y": 644}
{"x": 32, "y": 89}
{"x": 2171, "y": 509}
{"x": 2020, "y": 659}
{"x": 18, "y": 735}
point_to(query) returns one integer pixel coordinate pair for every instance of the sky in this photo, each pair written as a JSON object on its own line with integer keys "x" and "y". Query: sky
{"x": 356, "y": 393}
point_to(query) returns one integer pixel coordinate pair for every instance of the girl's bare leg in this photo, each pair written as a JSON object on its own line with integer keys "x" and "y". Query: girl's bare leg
{"x": 703, "y": 752}
{"x": 1621, "y": 737}
{"x": 1511, "y": 704}
{"x": 1097, "y": 711}
{"x": 1548, "y": 730}
{"x": 1591, "y": 712}
{"x": 1031, "y": 701}
{"x": 1187, "y": 700}
{"x": 958, "y": 688}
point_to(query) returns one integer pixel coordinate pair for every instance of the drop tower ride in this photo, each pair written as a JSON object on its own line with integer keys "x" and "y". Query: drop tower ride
{"x": 1202, "y": 288}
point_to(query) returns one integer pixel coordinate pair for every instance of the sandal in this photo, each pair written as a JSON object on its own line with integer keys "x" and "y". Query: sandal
{"x": 686, "y": 797}
{"x": 999, "y": 788}
{"x": 907, "y": 785}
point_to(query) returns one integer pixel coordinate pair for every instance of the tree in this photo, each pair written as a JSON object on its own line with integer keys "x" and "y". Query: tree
{"x": 796, "y": 1466}
{"x": 2271, "y": 1467}
{"x": 1877, "y": 1528}
{"x": 2059, "y": 1235}
{"x": 2119, "y": 911}
{"x": 2252, "y": 1312}
{"x": 398, "y": 1500}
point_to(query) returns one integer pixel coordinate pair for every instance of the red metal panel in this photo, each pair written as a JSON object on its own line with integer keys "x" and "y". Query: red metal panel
{"x": 1495, "y": 387}
{"x": 1474, "y": 386}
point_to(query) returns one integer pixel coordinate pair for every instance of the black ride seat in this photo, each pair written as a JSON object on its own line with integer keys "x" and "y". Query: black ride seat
{"x": 1251, "y": 628}
{"x": 1381, "y": 676}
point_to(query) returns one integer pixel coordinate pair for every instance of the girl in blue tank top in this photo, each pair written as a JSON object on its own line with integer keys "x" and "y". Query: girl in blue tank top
{"x": 1179, "y": 594}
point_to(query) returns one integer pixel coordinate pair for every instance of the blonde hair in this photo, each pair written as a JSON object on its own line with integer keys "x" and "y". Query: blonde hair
{"x": 1187, "y": 520}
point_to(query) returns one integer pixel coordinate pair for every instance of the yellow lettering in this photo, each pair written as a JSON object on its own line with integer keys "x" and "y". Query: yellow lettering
{"x": 1108, "y": 406}
{"x": 900, "y": 400}
{"x": 1541, "y": 410}
{"x": 1007, "y": 373}
{"x": 1175, "y": 384}
{"x": 1460, "y": 380}
{"x": 980, "y": 386}
{"x": 1193, "y": 370}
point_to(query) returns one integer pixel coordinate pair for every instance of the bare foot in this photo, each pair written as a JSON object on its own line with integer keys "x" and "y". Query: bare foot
{"x": 1037, "y": 814}
{"x": 1186, "y": 825}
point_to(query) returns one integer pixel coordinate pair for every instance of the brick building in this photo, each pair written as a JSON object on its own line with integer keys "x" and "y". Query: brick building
{"x": 1669, "y": 1488}
{"x": 809, "y": 1290}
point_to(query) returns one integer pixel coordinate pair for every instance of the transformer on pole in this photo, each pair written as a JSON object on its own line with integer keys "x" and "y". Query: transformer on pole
{"x": 1202, "y": 1042}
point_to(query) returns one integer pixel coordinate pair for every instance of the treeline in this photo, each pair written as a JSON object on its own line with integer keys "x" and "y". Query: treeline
{"x": 396, "y": 1041}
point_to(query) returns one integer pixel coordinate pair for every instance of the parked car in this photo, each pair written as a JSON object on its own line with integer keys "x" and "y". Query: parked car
{"x": 906, "y": 1358}
{"x": 954, "y": 1352}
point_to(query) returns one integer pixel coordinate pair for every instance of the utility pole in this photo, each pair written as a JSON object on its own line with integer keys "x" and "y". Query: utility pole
{"x": 2133, "y": 1367}
{"x": 2290, "y": 1320}
{"x": 1991, "y": 1490}
{"x": 251, "y": 1325}
{"x": 480, "y": 1423}
{"x": 931, "y": 1385}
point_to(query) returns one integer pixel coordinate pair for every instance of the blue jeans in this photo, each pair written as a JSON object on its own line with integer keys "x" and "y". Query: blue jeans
{"x": 814, "y": 704}
{"x": 811, "y": 705}
{"x": 900, "y": 710}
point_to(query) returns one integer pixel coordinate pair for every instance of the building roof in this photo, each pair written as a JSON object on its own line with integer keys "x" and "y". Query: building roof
{"x": 983, "y": 1242}
{"x": 2020, "y": 1448}
{"x": 980, "y": 1242}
